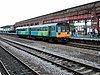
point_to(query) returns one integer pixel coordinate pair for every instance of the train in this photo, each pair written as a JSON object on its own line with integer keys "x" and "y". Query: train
{"x": 49, "y": 32}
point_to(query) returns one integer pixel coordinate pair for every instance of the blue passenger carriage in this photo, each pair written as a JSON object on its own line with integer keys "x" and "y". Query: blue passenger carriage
{"x": 23, "y": 31}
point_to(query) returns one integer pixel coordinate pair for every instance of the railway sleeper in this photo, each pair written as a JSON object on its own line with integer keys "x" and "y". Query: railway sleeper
{"x": 58, "y": 61}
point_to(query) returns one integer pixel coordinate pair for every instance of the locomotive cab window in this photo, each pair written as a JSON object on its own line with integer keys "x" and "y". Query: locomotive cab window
{"x": 63, "y": 28}
{"x": 59, "y": 29}
{"x": 67, "y": 28}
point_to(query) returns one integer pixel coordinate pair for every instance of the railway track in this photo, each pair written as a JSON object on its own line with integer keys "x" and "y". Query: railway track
{"x": 77, "y": 68}
{"x": 3, "y": 70}
{"x": 82, "y": 44}
{"x": 85, "y": 46}
{"x": 11, "y": 65}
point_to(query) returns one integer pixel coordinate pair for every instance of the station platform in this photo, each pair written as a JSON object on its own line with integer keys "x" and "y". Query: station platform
{"x": 86, "y": 37}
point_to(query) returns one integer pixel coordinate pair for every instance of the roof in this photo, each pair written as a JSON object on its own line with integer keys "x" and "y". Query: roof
{"x": 7, "y": 26}
{"x": 51, "y": 24}
{"x": 42, "y": 25}
{"x": 22, "y": 27}
{"x": 62, "y": 10}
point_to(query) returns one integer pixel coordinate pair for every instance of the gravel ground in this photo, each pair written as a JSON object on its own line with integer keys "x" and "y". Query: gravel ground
{"x": 2, "y": 70}
{"x": 85, "y": 54}
{"x": 43, "y": 66}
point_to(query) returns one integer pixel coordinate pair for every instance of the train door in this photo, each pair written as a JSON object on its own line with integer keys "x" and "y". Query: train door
{"x": 49, "y": 30}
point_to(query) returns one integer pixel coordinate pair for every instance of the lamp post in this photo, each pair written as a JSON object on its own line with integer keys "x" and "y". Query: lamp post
{"x": 85, "y": 26}
{"x": 98, "y": 23}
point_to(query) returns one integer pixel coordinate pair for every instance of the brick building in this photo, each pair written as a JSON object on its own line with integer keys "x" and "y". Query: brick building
{"x": 87, "y": 14}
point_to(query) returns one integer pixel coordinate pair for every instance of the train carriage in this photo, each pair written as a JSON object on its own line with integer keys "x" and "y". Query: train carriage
{"x": 46, "y": 30}
{"x": 51, "y": 32}
{"x": 23, "y": 31}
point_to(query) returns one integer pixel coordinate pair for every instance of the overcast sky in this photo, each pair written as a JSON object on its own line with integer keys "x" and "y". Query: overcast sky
{"x": 12, "y": 11}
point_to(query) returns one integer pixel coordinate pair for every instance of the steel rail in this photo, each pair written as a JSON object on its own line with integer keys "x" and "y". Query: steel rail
{"x": 80, "y": 73}
{"x": 31, "y": 69}
{"x": 85, "y": 46}
{"x": 4, "y": 67}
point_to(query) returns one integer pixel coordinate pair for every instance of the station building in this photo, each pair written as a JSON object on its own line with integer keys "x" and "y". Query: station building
{"x": 83, "y": 18}
{"x": 8, "y": 29}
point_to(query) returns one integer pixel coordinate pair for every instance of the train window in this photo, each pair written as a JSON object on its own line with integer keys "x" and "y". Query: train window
{"x": 63, "y": 28}
{"x": 21, "y": 29}
{"x": 59, "y": 28}
{"x": 43, "y": 28}
{"x": 32, "y": 29}
{"x": 35, "y": 29}
{"x": 38, "y": 29}
{"x": 67, "y": 29}
{"x": 46, "y": 28}
{"x": 53, "y": 28}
